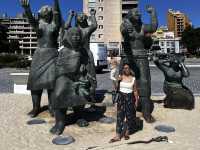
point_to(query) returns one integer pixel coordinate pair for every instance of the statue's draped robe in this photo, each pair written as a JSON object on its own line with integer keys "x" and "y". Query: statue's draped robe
{"x": 42, "y": 71}
{"x": 68, "y": 66}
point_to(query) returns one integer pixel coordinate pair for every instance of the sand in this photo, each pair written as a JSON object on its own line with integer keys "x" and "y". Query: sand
{"x": 17, "y": 135}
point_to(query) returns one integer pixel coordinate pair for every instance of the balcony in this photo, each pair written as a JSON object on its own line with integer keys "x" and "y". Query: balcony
{"x": 133, "y": 2}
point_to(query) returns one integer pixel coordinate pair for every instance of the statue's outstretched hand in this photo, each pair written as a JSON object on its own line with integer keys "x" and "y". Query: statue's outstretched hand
{"x": 150, "y": 9}
{"x": 25, "y": 3}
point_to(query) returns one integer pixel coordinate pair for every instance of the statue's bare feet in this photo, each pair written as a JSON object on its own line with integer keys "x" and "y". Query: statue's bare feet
{"x": 58, "y": 128}
{"x": 149, "y": 119}
{"x": 34, "y": 113}
{"x": 53, "y": 129}
{"x": 82, "y": 123}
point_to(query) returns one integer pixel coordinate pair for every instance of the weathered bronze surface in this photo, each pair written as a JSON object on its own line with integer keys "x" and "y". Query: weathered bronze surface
{"x": 134, "y": 32}
{"x": 42, "y": 72}
{"x": 177, "y": 94}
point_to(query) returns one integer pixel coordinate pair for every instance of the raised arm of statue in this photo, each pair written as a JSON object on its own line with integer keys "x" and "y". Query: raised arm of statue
{"x": 69, "y": 19}
{"x": 161, "y": 64}
{"x": 57, "y": 19}
{"x": 93, "y": 25}
{"x": 126, "y": 31}
{"x": 152, "y": 27}
{"x": 184, "y": 70}
{"x": 25, "y": 4}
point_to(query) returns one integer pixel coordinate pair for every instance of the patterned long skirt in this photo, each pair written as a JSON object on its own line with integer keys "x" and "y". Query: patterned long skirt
{"x": 126, "y": 112}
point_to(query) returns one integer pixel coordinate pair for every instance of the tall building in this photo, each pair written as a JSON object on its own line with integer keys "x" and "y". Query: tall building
{"x": 177, "y": 22}
{"x": 109, "y": 17}
{"x": 19, "y": 29}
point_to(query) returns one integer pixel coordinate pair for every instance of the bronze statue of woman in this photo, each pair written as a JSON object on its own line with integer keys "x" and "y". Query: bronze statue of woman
{"x": 134, "y": 31}
{"x": 177, "y": 95}
{"x": 42, "y": 71}
{"x": 70, "y": 89}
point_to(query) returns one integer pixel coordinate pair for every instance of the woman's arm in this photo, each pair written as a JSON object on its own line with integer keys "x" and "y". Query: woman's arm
{"x": 184, "y": 70}
{"x": 135, "y": 92}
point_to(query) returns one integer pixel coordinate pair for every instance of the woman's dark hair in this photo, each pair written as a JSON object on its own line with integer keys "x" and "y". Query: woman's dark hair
{"x": 132, "y": 73}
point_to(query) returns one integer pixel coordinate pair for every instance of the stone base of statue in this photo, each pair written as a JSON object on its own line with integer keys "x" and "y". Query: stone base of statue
{"x": 63, "y": 140}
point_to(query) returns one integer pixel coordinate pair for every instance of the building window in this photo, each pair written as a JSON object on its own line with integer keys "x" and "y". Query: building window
{"x": 100, "y": 36}
{"x": 100, "y": 8}
{"x": 100, "y": 17}
{"x": 100, "y": 26}
{"x": 173, "y": 44}
{"x": 100, "y": 1}
{"x": 168, "y": 44}
{"x": 113, "y": 44}
{"x": 162, "y": 44}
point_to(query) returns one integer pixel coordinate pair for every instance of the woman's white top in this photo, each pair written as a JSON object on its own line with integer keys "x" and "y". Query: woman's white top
{"x": 127, "y": 87}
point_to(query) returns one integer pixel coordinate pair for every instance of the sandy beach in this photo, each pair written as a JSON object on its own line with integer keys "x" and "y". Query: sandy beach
{"x": 17, "y": 135}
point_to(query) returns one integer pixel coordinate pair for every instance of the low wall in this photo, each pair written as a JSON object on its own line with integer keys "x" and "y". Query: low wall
{"x": 20, "y": 83}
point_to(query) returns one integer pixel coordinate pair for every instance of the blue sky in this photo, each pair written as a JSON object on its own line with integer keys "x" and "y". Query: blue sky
{"x": 190, "y": 7}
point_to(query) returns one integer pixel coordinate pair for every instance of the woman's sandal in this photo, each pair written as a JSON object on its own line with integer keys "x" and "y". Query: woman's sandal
{"x": 126, "y": 137}
{"x": 115, "y": 139}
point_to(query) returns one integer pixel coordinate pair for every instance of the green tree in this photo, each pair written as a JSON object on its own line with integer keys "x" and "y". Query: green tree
{"x": 4, "y": 44}
{"x": 14, "y": 46}
{"x": 191, "y": 39}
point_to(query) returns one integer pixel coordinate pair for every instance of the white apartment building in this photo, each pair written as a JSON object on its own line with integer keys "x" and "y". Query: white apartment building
{"x": 19, "y": 29}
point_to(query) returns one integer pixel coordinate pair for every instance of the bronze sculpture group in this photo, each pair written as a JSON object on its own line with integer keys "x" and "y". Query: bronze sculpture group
{"x": 69, "y": 75}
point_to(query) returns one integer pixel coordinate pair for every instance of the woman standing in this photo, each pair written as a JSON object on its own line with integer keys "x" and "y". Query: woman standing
{"x": 113, "y": 70}
{"x": 126, "y": 104}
